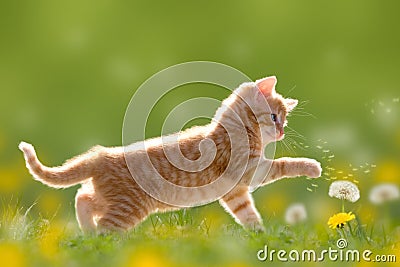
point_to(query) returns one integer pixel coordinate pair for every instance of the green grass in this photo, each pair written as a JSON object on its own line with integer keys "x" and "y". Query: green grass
{"x": 183, "y": 238}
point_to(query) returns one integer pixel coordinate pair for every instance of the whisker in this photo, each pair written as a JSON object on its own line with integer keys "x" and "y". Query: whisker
{"x": 300, "y": 110}
{"x": 286, "y": 94}
{"x": 282, "y": 145}
{"x": 294, "y": 135}
{"x": 289, "y": 148}
{"x": 303, "y": 103}
{"x": 295, "y": 143}
{"x": 292, "y": 148}
{"x": 302, "y": 113}
{"x": 293, "y": 130}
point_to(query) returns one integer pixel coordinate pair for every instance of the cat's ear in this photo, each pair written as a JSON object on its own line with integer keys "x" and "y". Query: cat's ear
{"x": 267, "y": 85}
{"x": 291, "y": 104}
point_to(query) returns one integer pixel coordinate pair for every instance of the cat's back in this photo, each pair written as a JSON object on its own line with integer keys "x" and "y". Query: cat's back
{"x": 182, "y": 154}
{"x": 188, "y": 141}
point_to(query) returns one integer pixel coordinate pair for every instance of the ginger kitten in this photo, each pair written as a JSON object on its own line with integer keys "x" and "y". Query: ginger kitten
{"x": 110, "y": 199}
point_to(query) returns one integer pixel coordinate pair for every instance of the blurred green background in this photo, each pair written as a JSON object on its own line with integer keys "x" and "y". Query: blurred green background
{"x": 68, "y": 70}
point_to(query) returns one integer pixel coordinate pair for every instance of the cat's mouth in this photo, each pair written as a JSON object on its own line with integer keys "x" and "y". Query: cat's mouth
{"x": 277, "y": 136}
{"x": 280, "y": 136}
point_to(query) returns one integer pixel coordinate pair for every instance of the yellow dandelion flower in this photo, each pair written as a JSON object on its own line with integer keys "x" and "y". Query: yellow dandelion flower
{"x": 145, "y": 257}
{"x": 11, "y": 255}
{"x": 340, "y": 219}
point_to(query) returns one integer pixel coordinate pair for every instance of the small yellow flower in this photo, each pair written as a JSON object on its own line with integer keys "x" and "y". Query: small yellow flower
{"x": 339, "y": 220}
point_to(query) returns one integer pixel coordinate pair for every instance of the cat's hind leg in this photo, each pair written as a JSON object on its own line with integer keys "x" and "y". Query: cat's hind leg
{"x": 239, "y": 203}
{"x": 85, "y": 212}
{"x": 123, "y": 213}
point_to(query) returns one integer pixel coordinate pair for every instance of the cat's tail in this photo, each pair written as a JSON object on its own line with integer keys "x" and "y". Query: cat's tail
{"x": 73, "y": 172}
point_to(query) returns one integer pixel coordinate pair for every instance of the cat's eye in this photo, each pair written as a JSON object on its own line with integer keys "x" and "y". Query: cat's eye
{"x": 273, "y": 117}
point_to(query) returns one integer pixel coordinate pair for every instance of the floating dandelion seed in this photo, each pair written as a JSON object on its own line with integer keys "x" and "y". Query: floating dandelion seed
{"x": 344, "y": 190}
{"x": 309, "y": 189}
{"x": 383, "y": 193}
{"x": 295, "y": 213}
{"x": 340, "y": 219}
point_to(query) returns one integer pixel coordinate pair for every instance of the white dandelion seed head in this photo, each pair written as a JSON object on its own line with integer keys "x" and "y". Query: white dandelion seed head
{"x": 383, "y": 193}
{"x": 344, "y": 190}
{"x": 295, "y": 213}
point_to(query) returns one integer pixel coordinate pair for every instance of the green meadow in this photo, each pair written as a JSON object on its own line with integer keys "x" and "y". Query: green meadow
{"x": 68, "y": 71}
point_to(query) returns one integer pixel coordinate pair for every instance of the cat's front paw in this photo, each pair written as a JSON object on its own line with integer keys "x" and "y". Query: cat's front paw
{"x": 312, "y": 168}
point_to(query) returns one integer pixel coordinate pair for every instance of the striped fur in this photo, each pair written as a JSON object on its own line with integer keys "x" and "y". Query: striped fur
{"x": 111, "y": 200}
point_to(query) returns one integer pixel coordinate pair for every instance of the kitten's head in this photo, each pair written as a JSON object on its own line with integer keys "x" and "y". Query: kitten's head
{"x": 270, "y": 108}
